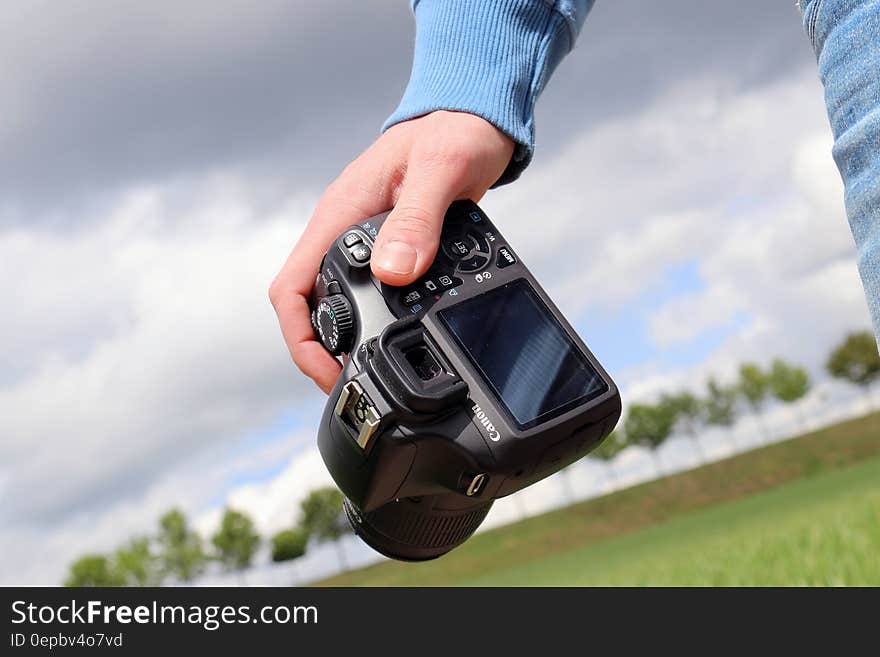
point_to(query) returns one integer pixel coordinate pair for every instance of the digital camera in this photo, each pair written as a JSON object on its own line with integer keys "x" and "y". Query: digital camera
{"x": 466, "y": 386}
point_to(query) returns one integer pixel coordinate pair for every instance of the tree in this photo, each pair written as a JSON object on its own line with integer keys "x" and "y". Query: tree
{"x": 789, "y": 383}
{"x": 236, "y": 541}
{"x": 181, "y": 553}
{"x": 136, "y": 563}
{"x": 289, "y": 544}
{"x": 754, "y": 387}
{"x": 856, "y": 360}
{"x": 649, "y": 425}
{"x": 94, "y": 570}
{"x": 687, "y": 412}
{"x": 720, "y": 404}
{"x": 323, "y": 518}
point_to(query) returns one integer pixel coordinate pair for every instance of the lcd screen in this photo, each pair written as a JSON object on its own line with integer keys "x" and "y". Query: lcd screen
{"x": 522, "y": 352}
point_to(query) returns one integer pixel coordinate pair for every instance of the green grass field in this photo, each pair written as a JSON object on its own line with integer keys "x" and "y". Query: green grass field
{"x": 802, "y": 512}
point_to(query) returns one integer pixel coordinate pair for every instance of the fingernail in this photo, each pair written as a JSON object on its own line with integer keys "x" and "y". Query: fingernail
{"x": 397, "y": 257}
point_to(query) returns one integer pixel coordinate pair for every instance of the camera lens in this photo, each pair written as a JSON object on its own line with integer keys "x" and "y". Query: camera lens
{"x": 418, "y": 529}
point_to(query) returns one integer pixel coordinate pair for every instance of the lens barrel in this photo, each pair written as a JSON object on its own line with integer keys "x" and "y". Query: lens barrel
{"x": 417, "y": 529}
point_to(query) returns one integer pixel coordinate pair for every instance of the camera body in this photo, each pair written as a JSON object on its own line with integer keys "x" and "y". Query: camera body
{"x": 461, "y": 388}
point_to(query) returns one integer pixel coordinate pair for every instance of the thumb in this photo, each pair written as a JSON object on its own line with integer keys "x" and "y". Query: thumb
{"x": 407, "y": 242}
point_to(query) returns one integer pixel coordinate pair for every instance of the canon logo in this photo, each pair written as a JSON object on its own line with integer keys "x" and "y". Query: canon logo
{"x": 483, "y": 419}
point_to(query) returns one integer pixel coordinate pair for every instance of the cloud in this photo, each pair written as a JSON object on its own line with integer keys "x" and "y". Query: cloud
{"x": 158, "y": 163}
{"x": 785, "y": 257}
{"x": 37, "y": 553}
{"x": 634, "y": 194}
{"x": 174, "y": 347}
{"x": 740, "y": 182}
{"x": 274, "y": 504}
{"x": 688, "y": 316}
{"x": 100, "y": 96}
{"x": 104, "y": 95}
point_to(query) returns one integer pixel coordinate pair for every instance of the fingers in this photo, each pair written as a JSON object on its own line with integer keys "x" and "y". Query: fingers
{"x": 308, "y": 354}
{"x": 363, "y": 190}
{"x": 349, "y": 200}
{"x": 418, "y": 167}
{"x": 294, "y": 318}
{"x": 407, "y": 241}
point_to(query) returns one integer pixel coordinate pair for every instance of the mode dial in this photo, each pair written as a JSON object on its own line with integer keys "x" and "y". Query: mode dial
{"x": 334, "y": 323}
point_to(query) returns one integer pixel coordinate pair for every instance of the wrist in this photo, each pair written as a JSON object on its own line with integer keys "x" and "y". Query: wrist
{"x": 490, "y": 59}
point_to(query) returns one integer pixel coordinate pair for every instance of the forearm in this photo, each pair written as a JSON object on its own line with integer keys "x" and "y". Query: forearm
{"x": 846, "y": 36}
{"x": 491, "y": 59}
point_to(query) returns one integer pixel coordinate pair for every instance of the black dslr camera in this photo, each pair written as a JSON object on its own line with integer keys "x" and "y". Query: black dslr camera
{"x": 463, "y": 387}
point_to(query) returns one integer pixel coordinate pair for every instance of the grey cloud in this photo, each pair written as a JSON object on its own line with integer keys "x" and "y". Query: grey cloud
{"x": 101, "y": 95}
{"x": 139, "y": 376}
{"x": 196, "y": 362}
{"x": 629, "y": 52}
{"x": 113, "y": 93}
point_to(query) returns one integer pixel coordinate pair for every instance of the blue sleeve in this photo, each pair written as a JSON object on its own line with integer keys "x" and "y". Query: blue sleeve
{"x": 846, "y": 37}
{"x": 489, "y": 58}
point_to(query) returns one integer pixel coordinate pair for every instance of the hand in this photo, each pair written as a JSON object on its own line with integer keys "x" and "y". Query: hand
{"x": 418, "y": 167}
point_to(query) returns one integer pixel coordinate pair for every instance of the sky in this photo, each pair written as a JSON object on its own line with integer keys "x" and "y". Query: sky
{"x": 158, "y": 161}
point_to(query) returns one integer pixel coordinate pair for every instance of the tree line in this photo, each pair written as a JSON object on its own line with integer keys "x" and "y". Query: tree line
{"x": 856, "y": 359}
{"x": 177, "y": 552}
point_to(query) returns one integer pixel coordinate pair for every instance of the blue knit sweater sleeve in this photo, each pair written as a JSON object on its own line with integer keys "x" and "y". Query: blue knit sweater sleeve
{"x": 491, "y": 58}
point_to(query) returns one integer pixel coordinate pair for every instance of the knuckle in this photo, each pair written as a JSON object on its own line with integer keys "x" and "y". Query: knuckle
{"x": 414, "y": 221}
{"x": 349, "y": 182}
{"x": 449, "y": 157}
{"x": 358, "y": 185}
{"x": 337, "y": 190}
{"x": 297, "y": 354}
{"x": 275, "y": 292}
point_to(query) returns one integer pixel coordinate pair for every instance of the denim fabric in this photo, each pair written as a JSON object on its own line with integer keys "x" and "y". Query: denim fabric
{"x": 489, "y": 58}
{"x": 846, "y": 37}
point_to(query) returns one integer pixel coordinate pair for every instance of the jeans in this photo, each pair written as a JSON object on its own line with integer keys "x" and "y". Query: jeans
{"x": 846, "y": 37}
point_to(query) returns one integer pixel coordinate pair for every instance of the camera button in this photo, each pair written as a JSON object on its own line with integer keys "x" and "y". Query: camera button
{"x": 473, "y": 264}
{"x": 505, "y": 258}
{"x": 412, "y": 296}
{"x": 361, "y": 253}
{"x": 446, "y": 281}
{"x": 333, "y": 287}
{"x": 481, "y": 241}
{"x": 352, "y": 238}
{"x": 458, "y": 247}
